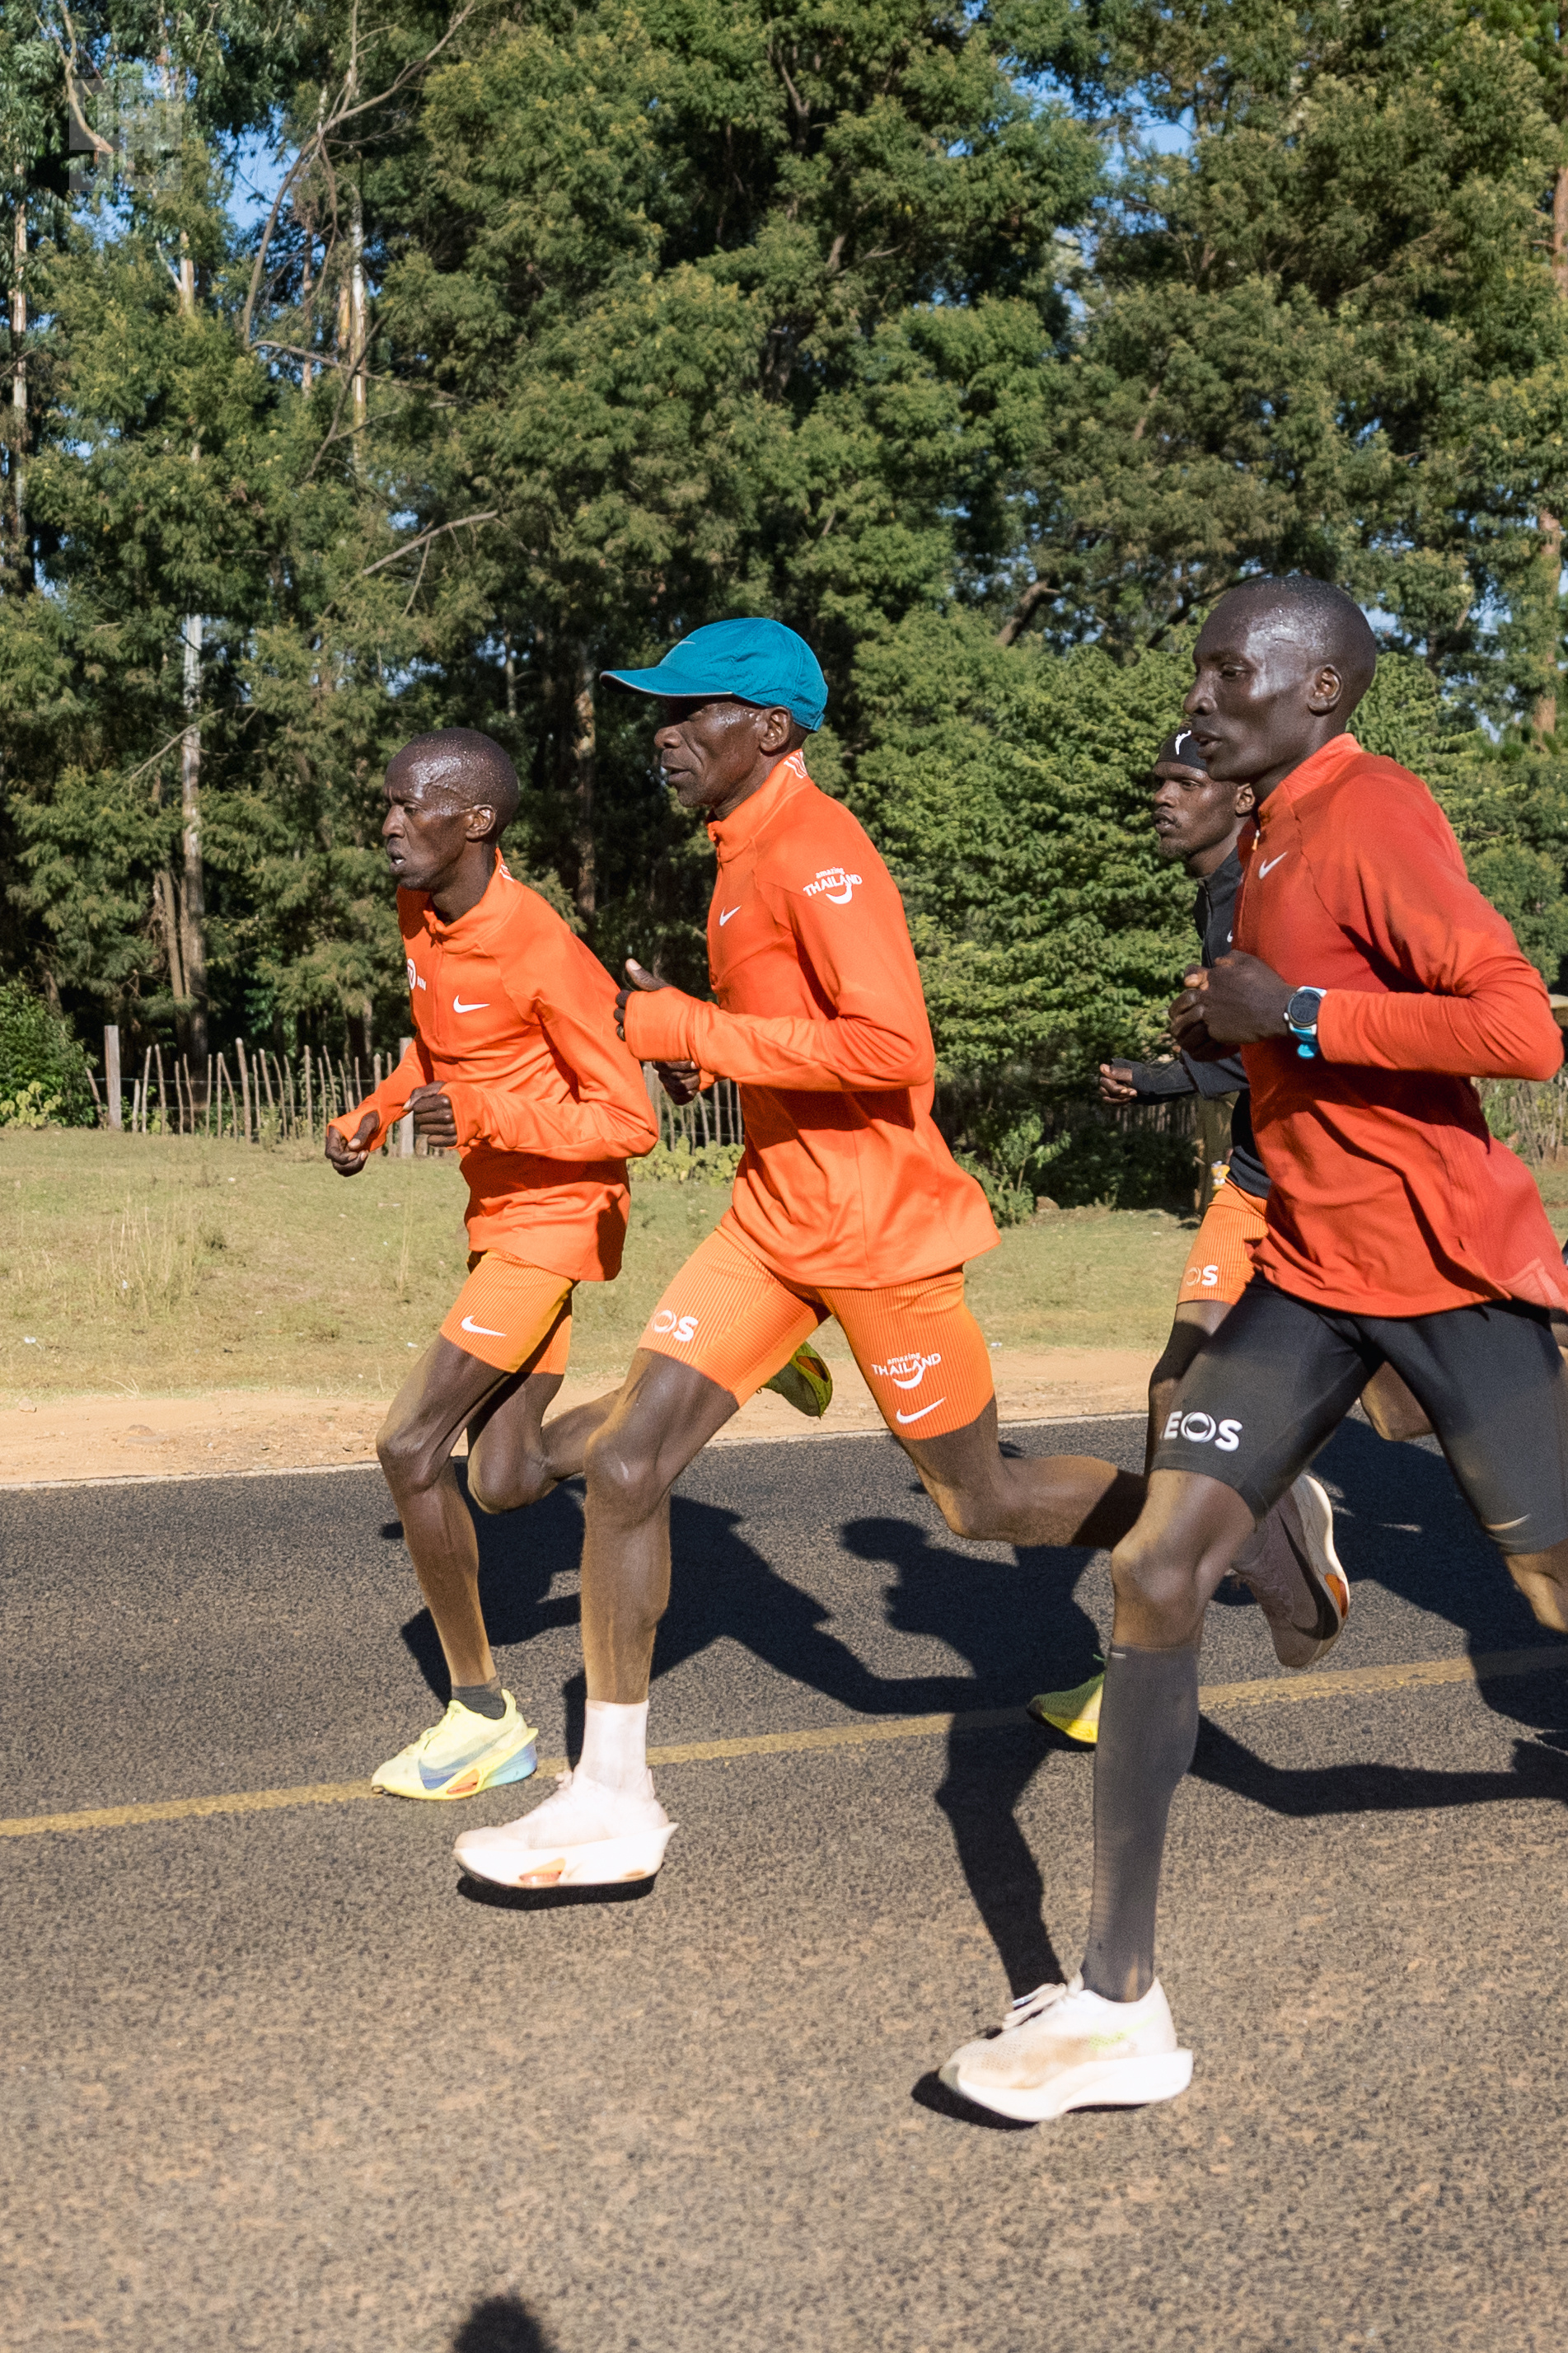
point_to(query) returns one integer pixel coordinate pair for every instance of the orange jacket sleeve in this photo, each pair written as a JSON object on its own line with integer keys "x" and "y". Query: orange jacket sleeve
{"x": 605, "y": 1114}
{"x": 1473, "y": 1004}
{"x": 390, "y": 1099}
{"x": 876, "y": 1036}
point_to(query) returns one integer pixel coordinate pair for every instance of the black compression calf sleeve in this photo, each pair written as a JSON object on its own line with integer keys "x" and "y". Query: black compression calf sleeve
{"x": 1147, "y": 1731}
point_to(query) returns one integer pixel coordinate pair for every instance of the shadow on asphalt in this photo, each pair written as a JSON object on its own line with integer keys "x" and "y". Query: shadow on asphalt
{"x": 551, "y": 1899}
{"x": 502, "y": 2324}
{"x": 931, "y": 2093}
{"x": 1018, "y": 1627}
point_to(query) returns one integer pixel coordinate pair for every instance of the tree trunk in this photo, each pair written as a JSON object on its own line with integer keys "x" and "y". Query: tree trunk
{"x": 17, "y": 519}
{"x": 167, "y": 909}
{"x": 585, "y": 757}
{"x": 192, "y": 899}
{"x": 358, "y": 333}
{"x": 1550, "y": 526}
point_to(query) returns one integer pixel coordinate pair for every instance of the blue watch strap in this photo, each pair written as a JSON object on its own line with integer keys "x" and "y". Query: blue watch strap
{"x": 1305, "y": 1033}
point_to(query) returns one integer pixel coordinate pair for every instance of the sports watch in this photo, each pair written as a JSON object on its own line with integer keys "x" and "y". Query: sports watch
{"x": 1302, "y": 1020}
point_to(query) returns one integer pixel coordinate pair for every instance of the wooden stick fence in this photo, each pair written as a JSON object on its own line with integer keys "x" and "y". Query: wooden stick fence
{"x": 714, "y": 1117}
{"x": 252, "y": 1095}
{"x": 248, "y": 1093}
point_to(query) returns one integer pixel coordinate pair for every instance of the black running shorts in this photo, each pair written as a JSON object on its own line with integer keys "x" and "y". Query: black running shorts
{"x": 1278, "y": 1376}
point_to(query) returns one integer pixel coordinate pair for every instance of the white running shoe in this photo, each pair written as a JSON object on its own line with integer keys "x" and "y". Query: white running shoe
{"x": 462, "y": 1755}
{"x": 1294, "y": 1547}
{"x": 1062, "y": 2047}
{"x": 584, "y": 1836}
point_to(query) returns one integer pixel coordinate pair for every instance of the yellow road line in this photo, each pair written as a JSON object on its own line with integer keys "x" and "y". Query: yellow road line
{"x": 1272, "y": 1692}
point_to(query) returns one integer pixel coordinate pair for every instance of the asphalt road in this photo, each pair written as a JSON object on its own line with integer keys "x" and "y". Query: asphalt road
{"x": 279, "y": 2080}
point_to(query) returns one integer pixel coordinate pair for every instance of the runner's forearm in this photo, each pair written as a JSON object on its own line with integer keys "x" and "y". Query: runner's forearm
{"x": 584, "y": 1130}
{"x": 390, "y": 1099}
{"x": 1503, "y": 1029}
{"x": 788, "y": 1051}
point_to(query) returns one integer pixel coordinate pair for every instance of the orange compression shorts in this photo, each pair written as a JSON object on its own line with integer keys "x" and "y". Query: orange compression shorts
{"x": 1219, "y": 1264}
{"x": 510, "y": 1314}
{"x": 735, "y": 1320}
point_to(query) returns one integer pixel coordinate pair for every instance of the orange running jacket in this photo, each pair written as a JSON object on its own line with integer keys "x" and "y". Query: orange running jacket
{"x": 514, "y": 1016}
{"x": 1389, "y": 1194}
{"x": 820, "y": 1017}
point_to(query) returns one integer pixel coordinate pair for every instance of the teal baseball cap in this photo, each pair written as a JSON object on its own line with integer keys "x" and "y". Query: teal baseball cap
{"x": 756, "y": 662}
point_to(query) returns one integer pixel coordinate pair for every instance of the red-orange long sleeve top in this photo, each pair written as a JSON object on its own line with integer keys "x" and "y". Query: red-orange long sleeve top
{"x": 1390, "y": 1196}
{"x": 514, "y": 1016}
{"x": 820, "y": 1017}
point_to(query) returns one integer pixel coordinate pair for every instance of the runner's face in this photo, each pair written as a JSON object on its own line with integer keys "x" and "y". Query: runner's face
{"x": 426, "y": 828}
{"x": 1261, "y": 692}
{"x": 1192, "y": 813}
{"x": 706, "y": 750}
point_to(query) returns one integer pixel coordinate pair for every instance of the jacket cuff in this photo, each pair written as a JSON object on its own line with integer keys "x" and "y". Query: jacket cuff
{"x": 468, "y": 1110}
{"x": 656, "y": 1023}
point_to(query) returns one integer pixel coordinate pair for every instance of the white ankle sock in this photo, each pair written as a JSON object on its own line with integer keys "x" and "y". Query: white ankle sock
{"x": 614, "y": 1745}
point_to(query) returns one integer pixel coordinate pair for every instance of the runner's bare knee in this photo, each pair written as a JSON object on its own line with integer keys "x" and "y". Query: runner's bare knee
{"x": 496, "y": 1484}
{"x": 623, "y": 1475}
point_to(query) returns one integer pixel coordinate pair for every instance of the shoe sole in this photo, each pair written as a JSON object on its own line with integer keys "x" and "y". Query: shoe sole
{"x": 1084, "y": 1729}
{"x": 1097, "y": 2084}
{"x": 602, "y": 1863}
{"x": 472, "y": 1778}
{"x": 1331, "y": 1585}
{"x": 1075, "y": 1727}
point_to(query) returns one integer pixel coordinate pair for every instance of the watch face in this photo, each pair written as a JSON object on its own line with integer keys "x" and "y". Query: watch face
{"x": 1302, "y": 1012}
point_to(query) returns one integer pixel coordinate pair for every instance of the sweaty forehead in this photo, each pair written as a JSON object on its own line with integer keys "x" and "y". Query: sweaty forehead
{"x": 1256, "y": 629}
{"x": 434, "y": 776}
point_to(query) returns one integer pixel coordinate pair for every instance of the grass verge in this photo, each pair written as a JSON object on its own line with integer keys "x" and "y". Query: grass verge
{"x": 169, "y": 1266}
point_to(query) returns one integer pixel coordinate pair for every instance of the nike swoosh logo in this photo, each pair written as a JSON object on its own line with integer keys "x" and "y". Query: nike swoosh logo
{"x": 482, "y": 1007}
{"x": 1269, "y": 864}
{"x": 432, "y": 1777}
{"x": 1181, "y": 739}
{"x": 489, "y": 1331}
{"x": 726, "y": 915}
{"x": 923, "y": 1411}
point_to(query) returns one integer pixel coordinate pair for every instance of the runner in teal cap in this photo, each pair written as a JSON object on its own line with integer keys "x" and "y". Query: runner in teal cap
{"x": 756, "y": 661}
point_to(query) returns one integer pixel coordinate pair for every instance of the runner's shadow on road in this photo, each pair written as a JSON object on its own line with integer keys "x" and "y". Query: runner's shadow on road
{"x": 520, "y": 1555}
{"x": 1538, "y": 1772}
{"x": 1404, "y": 1524}
{"x": 502, "y": 2324}
{"x": 1021, "y": 1627}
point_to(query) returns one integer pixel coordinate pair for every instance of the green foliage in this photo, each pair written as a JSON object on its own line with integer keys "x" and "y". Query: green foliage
{"x": 890, "y": 320}
{"x": 1007, "y": 788}
{"x": 43, "y": 1069}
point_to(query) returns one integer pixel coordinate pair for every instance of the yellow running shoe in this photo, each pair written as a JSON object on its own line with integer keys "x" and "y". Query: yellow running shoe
{"x": 462, "y": 1755}
{"x": 1076, "y": 1713}
{"x": 805, "y": 1381}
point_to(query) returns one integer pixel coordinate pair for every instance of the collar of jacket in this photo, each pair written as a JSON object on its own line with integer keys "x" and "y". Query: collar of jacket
{"x": 1320, "y": 768}
{"x": 476, "y": 920}
{"x": 743, "y": 825}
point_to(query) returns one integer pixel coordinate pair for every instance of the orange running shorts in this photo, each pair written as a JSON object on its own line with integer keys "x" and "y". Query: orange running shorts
{"x": 1219, "y": 1264}
{"x": 921, "y": 1350}
{"x": 510, "y": 1314}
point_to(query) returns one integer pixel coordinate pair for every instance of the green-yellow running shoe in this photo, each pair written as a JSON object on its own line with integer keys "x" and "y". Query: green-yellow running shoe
{"x": 1075, "y": 1712}
{"x": 805, "y": 1382}
{"x": 462, "y": 1755}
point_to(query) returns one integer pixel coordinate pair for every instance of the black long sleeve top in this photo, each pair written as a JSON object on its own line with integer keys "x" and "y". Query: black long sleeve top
{"x": 1155, "y": 1082}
